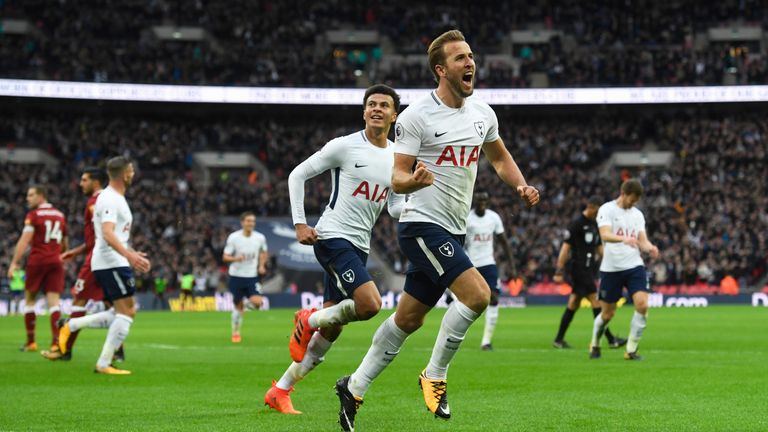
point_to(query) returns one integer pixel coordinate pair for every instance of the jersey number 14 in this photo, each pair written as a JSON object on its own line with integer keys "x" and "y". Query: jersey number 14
{"x": 52, "y": 231}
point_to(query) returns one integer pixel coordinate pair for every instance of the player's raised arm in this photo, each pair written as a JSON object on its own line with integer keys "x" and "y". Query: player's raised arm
{"x": 329, "y": 157}
{"x": 509, "y": 172}
{"x": 405, "y": 180}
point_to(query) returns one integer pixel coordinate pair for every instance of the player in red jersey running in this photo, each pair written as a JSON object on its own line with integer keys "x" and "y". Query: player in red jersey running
{"x": 45, "y": 229}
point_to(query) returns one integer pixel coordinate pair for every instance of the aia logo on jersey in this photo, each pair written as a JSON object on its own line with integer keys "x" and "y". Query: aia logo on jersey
{"x": 364, "y": 190}
{"x": 127, "y": 228}
{"x": 446, "y": 249}
{"x": 348, "y": 276}
{"x": 482, "y": 237}
{"x": 623, "y": 233}
{"x": 459, "y": 156}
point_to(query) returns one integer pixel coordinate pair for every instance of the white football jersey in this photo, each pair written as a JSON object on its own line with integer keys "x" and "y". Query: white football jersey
{"x": 250, "y": 247}
{"x": 623, "y": 222}
{"x": 449, "y": 141}
{"x": 110, "y": 207}
{"x": 361, "y": 174}
{"x": 481, "y": 231}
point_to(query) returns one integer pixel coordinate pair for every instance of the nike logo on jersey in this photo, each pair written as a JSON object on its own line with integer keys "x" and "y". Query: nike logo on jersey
{"x": 357, "y": 165}
{"x": 438, "y": 135}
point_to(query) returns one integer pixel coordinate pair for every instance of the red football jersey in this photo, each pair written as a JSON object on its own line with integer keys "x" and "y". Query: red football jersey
{"x": 50, "y": 228}
{"x": 88, "y": 231}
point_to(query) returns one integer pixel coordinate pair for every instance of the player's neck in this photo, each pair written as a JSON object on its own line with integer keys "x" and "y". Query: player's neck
{"x": 119, "y": 187}
{"x": 480, "y": 213}
{"x": 377, "y": 136}
{"x": 622, "y": 204}
{"x": 247, "y": 233}
{"x": 447, "y": 96}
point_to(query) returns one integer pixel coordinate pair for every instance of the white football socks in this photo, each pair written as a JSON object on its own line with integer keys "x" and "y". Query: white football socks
{"x": 315, "y": 355}
{"x": 385, "y": 346}
{"x": 237, "y": 320}
{"x": 491, "y": 317}
{"x": 636, "y": 327}
{"x": 98, "y": 320}
{"x": 117, "y": 333}
{"x": 453, "y": 328}
{"x": 338, "y": 314}
{"x": 597, "y": 330}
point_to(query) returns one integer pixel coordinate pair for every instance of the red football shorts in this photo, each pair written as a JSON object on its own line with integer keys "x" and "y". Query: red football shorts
{"x": 48, "y": 277}
{"x": 86, "y": 287}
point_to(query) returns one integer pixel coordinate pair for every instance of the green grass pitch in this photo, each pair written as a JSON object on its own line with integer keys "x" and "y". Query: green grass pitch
{"x": 704, "y": 369}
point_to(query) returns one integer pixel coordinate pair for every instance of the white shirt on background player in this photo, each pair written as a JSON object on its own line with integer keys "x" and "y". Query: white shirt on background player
{"x": 250, "y": 247}
{"x": 449, "y": 141}
{"x": 626, "y": 223}
{"x": 110, "y": 207}
{"x": 361, "y": 175}
{"x": 481, "y": 232}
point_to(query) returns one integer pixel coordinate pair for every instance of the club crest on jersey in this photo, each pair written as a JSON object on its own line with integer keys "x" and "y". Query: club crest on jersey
{"x": 480, "y": 128}
{"x": 588, "y": 237}
{"x": 446, "y": 249}
{"x": 348, "y": 276}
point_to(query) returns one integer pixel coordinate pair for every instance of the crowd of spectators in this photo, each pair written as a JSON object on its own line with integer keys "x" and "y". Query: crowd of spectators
{"x": 275, "y": 42}
{"x": 706, "y": 210}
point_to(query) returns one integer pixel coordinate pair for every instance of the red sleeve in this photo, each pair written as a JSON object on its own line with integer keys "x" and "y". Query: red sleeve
{"x": 30, "y": 218}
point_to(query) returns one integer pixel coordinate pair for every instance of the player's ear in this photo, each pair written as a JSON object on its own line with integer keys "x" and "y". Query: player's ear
{"x": 394, "y": 117}
{"x": 440, "y": 70}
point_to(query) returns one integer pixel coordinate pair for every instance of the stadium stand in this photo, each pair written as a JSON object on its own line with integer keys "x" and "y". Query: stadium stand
{"x": 287, "y": 43}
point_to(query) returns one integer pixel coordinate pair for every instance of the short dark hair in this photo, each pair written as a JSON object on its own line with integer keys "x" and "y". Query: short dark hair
{"x": 40, "y": 190}
{"x": 95, "y": 173}
{"x": 482, "y": 195}
{"x": 595, "y": 200}
{"x": 632, "y": 187}
{"x": 385, "y": 90}
{"x": 245, "y": 214}
{"x": 117, "y": 165}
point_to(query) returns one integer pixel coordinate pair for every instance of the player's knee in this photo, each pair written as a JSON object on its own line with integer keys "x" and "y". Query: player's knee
{"x": 368, "y": 308}
{"x": 642, "y": 307}
{"x": 478, "y": 299}
{"x": 608, "y": 314}
{"x": 409, "y": 323}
